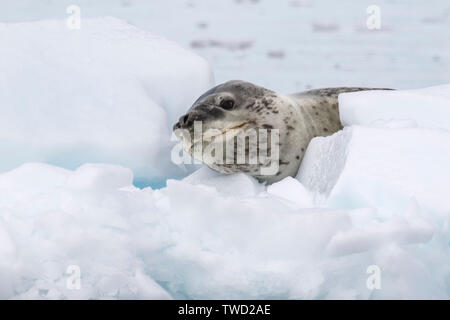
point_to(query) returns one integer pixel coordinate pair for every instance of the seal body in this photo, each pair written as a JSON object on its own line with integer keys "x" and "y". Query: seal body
{"x": 274, "y": 129}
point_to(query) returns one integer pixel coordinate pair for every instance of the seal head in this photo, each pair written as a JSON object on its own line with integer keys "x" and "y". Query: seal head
{"x": 244, "y": 121}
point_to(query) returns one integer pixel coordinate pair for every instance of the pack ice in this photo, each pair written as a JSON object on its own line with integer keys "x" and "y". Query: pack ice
{"x": 207, "y": 236}
{"x": 366, "y": 218}
{"x": 108, "y": 92}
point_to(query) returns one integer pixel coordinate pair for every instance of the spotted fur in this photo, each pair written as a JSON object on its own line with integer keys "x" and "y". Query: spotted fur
{"x": 299, "y": 118}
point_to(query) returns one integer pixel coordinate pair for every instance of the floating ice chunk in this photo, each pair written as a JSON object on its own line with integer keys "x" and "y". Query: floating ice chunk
{"x": 107, "y": 93}
{"x": 380, "y": 167}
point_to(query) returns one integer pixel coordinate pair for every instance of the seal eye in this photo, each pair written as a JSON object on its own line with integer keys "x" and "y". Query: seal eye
{"x": 227, "y": 104}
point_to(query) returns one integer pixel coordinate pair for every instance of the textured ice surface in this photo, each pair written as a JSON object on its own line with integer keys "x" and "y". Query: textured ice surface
{"x": 208, "y": 236}
{"x": 380, "y": 167}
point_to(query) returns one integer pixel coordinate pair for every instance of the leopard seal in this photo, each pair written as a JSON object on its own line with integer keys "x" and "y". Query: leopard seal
{"x": 237, "y": 106}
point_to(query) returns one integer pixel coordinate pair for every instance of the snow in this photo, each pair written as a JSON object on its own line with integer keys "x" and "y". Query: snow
{"x": 371, "y": 197}
{"x": 207, "y": 236}
{"x": 293, "y": 191}
{"x": 109, "y": 92}
{"x": 380, "y": 167}
{"x": 426, "y": 107}
{"x": 50, "y": 224}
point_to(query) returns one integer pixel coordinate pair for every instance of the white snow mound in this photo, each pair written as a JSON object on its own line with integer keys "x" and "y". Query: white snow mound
{"x": 208, "y": 236}
{"x": 108, "y": 92}
{"x": 380, "y": 167}
{"x": 427, "y": 107}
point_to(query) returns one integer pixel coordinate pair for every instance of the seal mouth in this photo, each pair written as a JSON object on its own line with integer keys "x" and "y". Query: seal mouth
{"x": 239, "y": 126}
{"x": 210, "y": 137}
